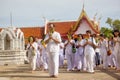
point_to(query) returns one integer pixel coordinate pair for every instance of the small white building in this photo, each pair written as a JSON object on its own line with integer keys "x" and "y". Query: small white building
{"x": 12, "y": 44}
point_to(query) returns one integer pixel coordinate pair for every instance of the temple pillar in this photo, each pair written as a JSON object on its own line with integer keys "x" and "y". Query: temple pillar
{"x": 12, "y": 44}
{"x": 2, "y": 44}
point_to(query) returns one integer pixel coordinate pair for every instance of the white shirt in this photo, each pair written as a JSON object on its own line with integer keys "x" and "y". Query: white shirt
{"x": 117, "y": 44}
{"x": 69, "y": 46}
{"x": 80, "y": 43}
{"x": 52, "y": 46}
{"x": 104, "y": 44}
{"x": 80, "y": 49}
{"x": 61, "y": 48}
{"x": 97, "y": 49}
{"x": 88, "y": 48}
{"x": 90, "y": 40}
{"x": 35, "y": 45}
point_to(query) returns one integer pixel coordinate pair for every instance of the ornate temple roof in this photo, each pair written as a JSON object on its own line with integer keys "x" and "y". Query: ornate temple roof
{"x": 92, "y": 24}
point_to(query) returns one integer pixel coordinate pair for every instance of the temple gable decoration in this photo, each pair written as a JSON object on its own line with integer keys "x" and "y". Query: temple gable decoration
{"x": 84, "y": 23}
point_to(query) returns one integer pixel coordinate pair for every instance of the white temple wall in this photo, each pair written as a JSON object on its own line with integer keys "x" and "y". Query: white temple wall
{"x": 83, "y": 27}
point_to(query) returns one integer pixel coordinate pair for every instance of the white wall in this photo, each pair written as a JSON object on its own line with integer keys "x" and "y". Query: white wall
{"x": 83, "y": 27}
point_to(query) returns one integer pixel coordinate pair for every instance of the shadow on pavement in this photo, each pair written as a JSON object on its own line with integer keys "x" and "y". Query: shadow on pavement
{"x": 112, "y": 73}
{"x": 24, "y": 76}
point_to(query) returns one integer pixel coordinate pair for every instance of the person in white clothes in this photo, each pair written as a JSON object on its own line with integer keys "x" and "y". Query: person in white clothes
{"x": 53, "y": 40}
{"x": 89, "y": 51}
{"x": 97, "y": 50}
{"x": 29, "y": 50}
{"x": 103, "y": 50}
{"x": 39, "y": 60}
{"x": 80, "y": 52}
{"x": 44, "y": 55}
{"x": 111, "y": 56}
{"x": 33, "y": 56}
{"x": 70, "y": 55}
{"x": 117, "y": 48}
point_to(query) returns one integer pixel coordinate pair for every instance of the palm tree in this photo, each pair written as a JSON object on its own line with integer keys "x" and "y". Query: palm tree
{"x": 114, "y": 24}
{"x": 106, "y": 31}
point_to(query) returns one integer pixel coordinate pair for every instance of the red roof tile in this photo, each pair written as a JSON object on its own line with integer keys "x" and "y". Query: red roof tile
{"x": 63, "y": 27}
{"x": 32, "y": 31}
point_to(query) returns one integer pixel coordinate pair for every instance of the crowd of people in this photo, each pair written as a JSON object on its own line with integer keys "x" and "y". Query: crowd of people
{"x": 83, "y": 53}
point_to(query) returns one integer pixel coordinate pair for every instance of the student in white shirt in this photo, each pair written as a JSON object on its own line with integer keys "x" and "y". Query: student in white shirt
{"x": 80, "y": 52}
{"x": 70, "y": 56}
{"x": 103, "y": 50}
{"x": 89, "y": 52}
{"x": 33, "y": 47}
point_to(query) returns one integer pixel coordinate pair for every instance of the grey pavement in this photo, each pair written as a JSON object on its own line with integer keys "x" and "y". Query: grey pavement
{"x": 23, "y": 72}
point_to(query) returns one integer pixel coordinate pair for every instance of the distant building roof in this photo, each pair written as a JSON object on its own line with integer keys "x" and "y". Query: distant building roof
{"x": 32, "y": 31}
{"x": 63, "y": 27}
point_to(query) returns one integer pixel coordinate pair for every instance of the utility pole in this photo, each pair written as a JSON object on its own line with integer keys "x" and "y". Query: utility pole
{"x": 11, "y": 19}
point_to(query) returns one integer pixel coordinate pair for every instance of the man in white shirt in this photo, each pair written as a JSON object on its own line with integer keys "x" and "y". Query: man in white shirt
{"x": 52, "y": 40}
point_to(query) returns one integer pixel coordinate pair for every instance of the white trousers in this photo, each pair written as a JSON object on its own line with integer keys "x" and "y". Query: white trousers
{"x": 39, "y": 60}
{"x": 112, "y": 60}
{"x": 89, "y": 58}
{"x": 30, "y": 56}
{"x": 70, "y": 60}
{"x": 79, "y": 58}
{"x": 80, "y": 61}
{"x": 53, "y": 63}
{"x": 117, "y": 56}
{"x": 33, "y": 63}
{"x": 45, "y": 61}
{"x": 104, "y": 57}
{"x": 61, "y": 59}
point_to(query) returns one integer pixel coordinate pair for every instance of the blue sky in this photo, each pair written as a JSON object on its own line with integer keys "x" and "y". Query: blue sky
{"x": 30, "y": 13}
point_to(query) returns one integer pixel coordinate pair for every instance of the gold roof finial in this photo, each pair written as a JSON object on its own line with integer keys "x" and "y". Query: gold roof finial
{"x": 83, "y": 5}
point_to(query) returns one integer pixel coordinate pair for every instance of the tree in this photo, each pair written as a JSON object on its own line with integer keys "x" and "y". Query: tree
{"x": 109, "y": 21}
{"x": 114, "y": 24}
{"x": 106, "y": 31}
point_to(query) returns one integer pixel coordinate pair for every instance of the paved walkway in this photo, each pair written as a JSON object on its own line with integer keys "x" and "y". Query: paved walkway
{"x": 23, "y": 72}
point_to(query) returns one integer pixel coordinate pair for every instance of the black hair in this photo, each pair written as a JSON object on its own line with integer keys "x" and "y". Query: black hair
{"x": 80, "y": 35}
{"x": 88, "y": 31}
{"x": 116, "y": 31}
{"x": 102, "y": 35}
